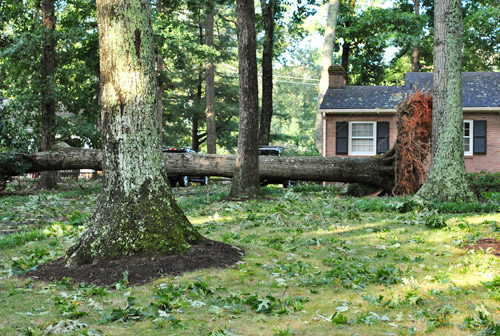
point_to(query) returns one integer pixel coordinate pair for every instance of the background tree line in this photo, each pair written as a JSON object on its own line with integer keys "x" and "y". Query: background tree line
{"x": 184, "y": 47}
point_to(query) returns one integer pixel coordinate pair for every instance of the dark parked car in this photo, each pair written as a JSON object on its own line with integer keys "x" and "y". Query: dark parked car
{"x": 275, "y": 151}
{"x": 184, "y": 180}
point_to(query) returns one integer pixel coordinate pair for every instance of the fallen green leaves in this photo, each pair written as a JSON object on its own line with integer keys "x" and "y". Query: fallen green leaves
{"x": 316, "y": 264}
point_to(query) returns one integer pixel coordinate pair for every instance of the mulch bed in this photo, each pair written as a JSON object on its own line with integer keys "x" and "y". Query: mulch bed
{"x": 208, "y": 254}
{"x": 485, "y": 244}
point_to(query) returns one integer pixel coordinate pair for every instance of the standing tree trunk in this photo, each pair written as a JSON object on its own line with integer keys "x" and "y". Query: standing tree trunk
{"x": 210, "y": 84}
{"x": 195, "y": 121}
{"x": 415, "y": 55}
{"x": 159, "y": 82}
{"x": 246, "y": 174}
{"x": 48, "y": 180}
{"x": 346, "y": 47}
{"x": 326, "y": 61}
{"x": 195, "y": 139}
{"x": 137, "y": 213}
{"x": 447, "y": 180}
{"x": 268, "y": 12}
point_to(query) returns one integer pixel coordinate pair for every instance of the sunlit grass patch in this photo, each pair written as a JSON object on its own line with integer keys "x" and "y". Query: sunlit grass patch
{"x": 315, "y": 264}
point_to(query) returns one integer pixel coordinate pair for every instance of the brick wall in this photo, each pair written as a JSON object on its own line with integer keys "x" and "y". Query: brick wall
{"x": 331, "y": 121}
{"x": 490, "y": 161}
{"x": 474, "y": 163}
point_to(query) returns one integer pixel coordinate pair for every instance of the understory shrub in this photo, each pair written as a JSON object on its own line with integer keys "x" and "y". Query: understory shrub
{"x": 485, "y": 181}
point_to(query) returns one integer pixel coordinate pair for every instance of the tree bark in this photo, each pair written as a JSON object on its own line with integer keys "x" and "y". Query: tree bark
{"x": 246, "y": 173}
{"x": 48, "y": 180}
{"x": 137, "y": 213}
{"x": 376, "y": 171}
{"x": 447, "y": 180}
{"x": 346, "y": 47}
{"x": 415, "y": 55}
{"x": 195, "y": 140}
{"x": 210, "y": 84}
{"x": 160, "y": 86}
{"x": 266, "y": 114}
{"x": 326, "y": 61}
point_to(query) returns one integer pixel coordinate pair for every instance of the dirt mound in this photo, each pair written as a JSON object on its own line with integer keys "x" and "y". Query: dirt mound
{"x": 487, "y": 244}
{"x": 208, "y": 254}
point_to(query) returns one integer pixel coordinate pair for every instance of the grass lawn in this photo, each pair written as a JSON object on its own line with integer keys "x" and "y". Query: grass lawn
{"x": 316, "y": 263}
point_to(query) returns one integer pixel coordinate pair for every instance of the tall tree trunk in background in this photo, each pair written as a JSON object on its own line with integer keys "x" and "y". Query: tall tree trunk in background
{"x": 195, "y": 143}
{"x": 137, "y": 213}
{"x": 447, "y": 180}
{"x": 210, "y": 83}
{"x": 326, "y": 61}
{"x": 246, "y": 173}
{"x": 159, "y": 83}
{"x": 415, "y": 55}
{"x": 346, "y": 47}
{"x": 195, "y": 121}
{"x": 268, "y": 12}
{"x": 48, "y": 180}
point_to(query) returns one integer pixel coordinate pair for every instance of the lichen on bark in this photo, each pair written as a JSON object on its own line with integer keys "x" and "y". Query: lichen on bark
{"x": 137, "y": 213}
{"x": 447, "y": 180}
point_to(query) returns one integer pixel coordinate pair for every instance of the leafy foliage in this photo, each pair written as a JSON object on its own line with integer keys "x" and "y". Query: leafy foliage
{"x": 340, "y": 263}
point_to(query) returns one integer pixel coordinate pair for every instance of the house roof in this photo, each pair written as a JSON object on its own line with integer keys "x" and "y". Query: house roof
{"x": 363, "y": 97}
{"x": 479, "y": 89}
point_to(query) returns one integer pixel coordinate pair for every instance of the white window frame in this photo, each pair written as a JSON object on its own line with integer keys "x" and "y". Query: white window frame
{"x": 470, "y": 152}
{"x": 374, "y": 138}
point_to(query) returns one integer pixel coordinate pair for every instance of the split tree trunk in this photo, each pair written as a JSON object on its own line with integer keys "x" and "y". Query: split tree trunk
{"x": 447, "y": 179}
{"x": 266, "y": 114}
{"x": 48, "y": 180}
{"x": 246, "y": 172}
{"x": 376, "y": 171}
{"x": 137, "y": 213}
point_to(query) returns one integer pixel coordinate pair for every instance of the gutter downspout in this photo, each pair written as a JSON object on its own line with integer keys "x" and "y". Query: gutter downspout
{"x": 324, "y": 135}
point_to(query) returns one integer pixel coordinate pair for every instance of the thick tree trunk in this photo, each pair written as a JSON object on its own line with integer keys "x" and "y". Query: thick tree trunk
{"x": 447, "y": 180}
{"x": 326, "y": 61}
{"x": 377, "y": 171}
{"x": 415, "y": 55}
{"x": 137, "y": 213}
{"x": 266, "y": 114}
{"x": 246, "y": 173}
{"x": 48, "y": 180}
{"x": 210, "y": 84}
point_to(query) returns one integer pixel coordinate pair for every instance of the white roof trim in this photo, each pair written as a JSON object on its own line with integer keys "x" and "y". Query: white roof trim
{"x": 343, "y": 111}
{"x": 482, "y": 109}
{"x": 393, "y": 111}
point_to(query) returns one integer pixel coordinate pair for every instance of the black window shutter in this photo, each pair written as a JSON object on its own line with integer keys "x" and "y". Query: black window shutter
{"x": 342, "y": 137}
{"x": 479, "y": 137}
{"x": 382, "y": 137}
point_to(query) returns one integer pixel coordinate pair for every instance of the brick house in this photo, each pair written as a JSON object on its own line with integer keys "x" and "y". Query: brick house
{"x": 361, "y": 120}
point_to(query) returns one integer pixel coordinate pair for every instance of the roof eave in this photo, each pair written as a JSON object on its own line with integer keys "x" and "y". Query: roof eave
{"x": 480, "y": 109}
{"x": 360, "y": 111}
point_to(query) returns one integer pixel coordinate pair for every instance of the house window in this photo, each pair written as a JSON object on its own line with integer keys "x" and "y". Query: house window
{"x": 468, "y": 139}
{"x": 362, "y": 136}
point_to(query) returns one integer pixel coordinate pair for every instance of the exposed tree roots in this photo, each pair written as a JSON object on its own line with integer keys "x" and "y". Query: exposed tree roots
{"x": 414, "y": 117}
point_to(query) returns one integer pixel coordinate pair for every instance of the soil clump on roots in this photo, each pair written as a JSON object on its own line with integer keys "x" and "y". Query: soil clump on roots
{"x": 142, "y": 269}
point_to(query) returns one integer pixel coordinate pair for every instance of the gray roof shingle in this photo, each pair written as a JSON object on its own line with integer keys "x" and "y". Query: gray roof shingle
{"x": 480, "y": 89}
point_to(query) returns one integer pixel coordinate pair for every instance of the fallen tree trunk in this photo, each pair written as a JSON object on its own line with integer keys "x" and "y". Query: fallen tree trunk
{"x": 375, "y": 171}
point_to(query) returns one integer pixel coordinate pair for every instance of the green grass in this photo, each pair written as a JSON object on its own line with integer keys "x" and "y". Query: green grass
{"x": 315, "y": 264}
